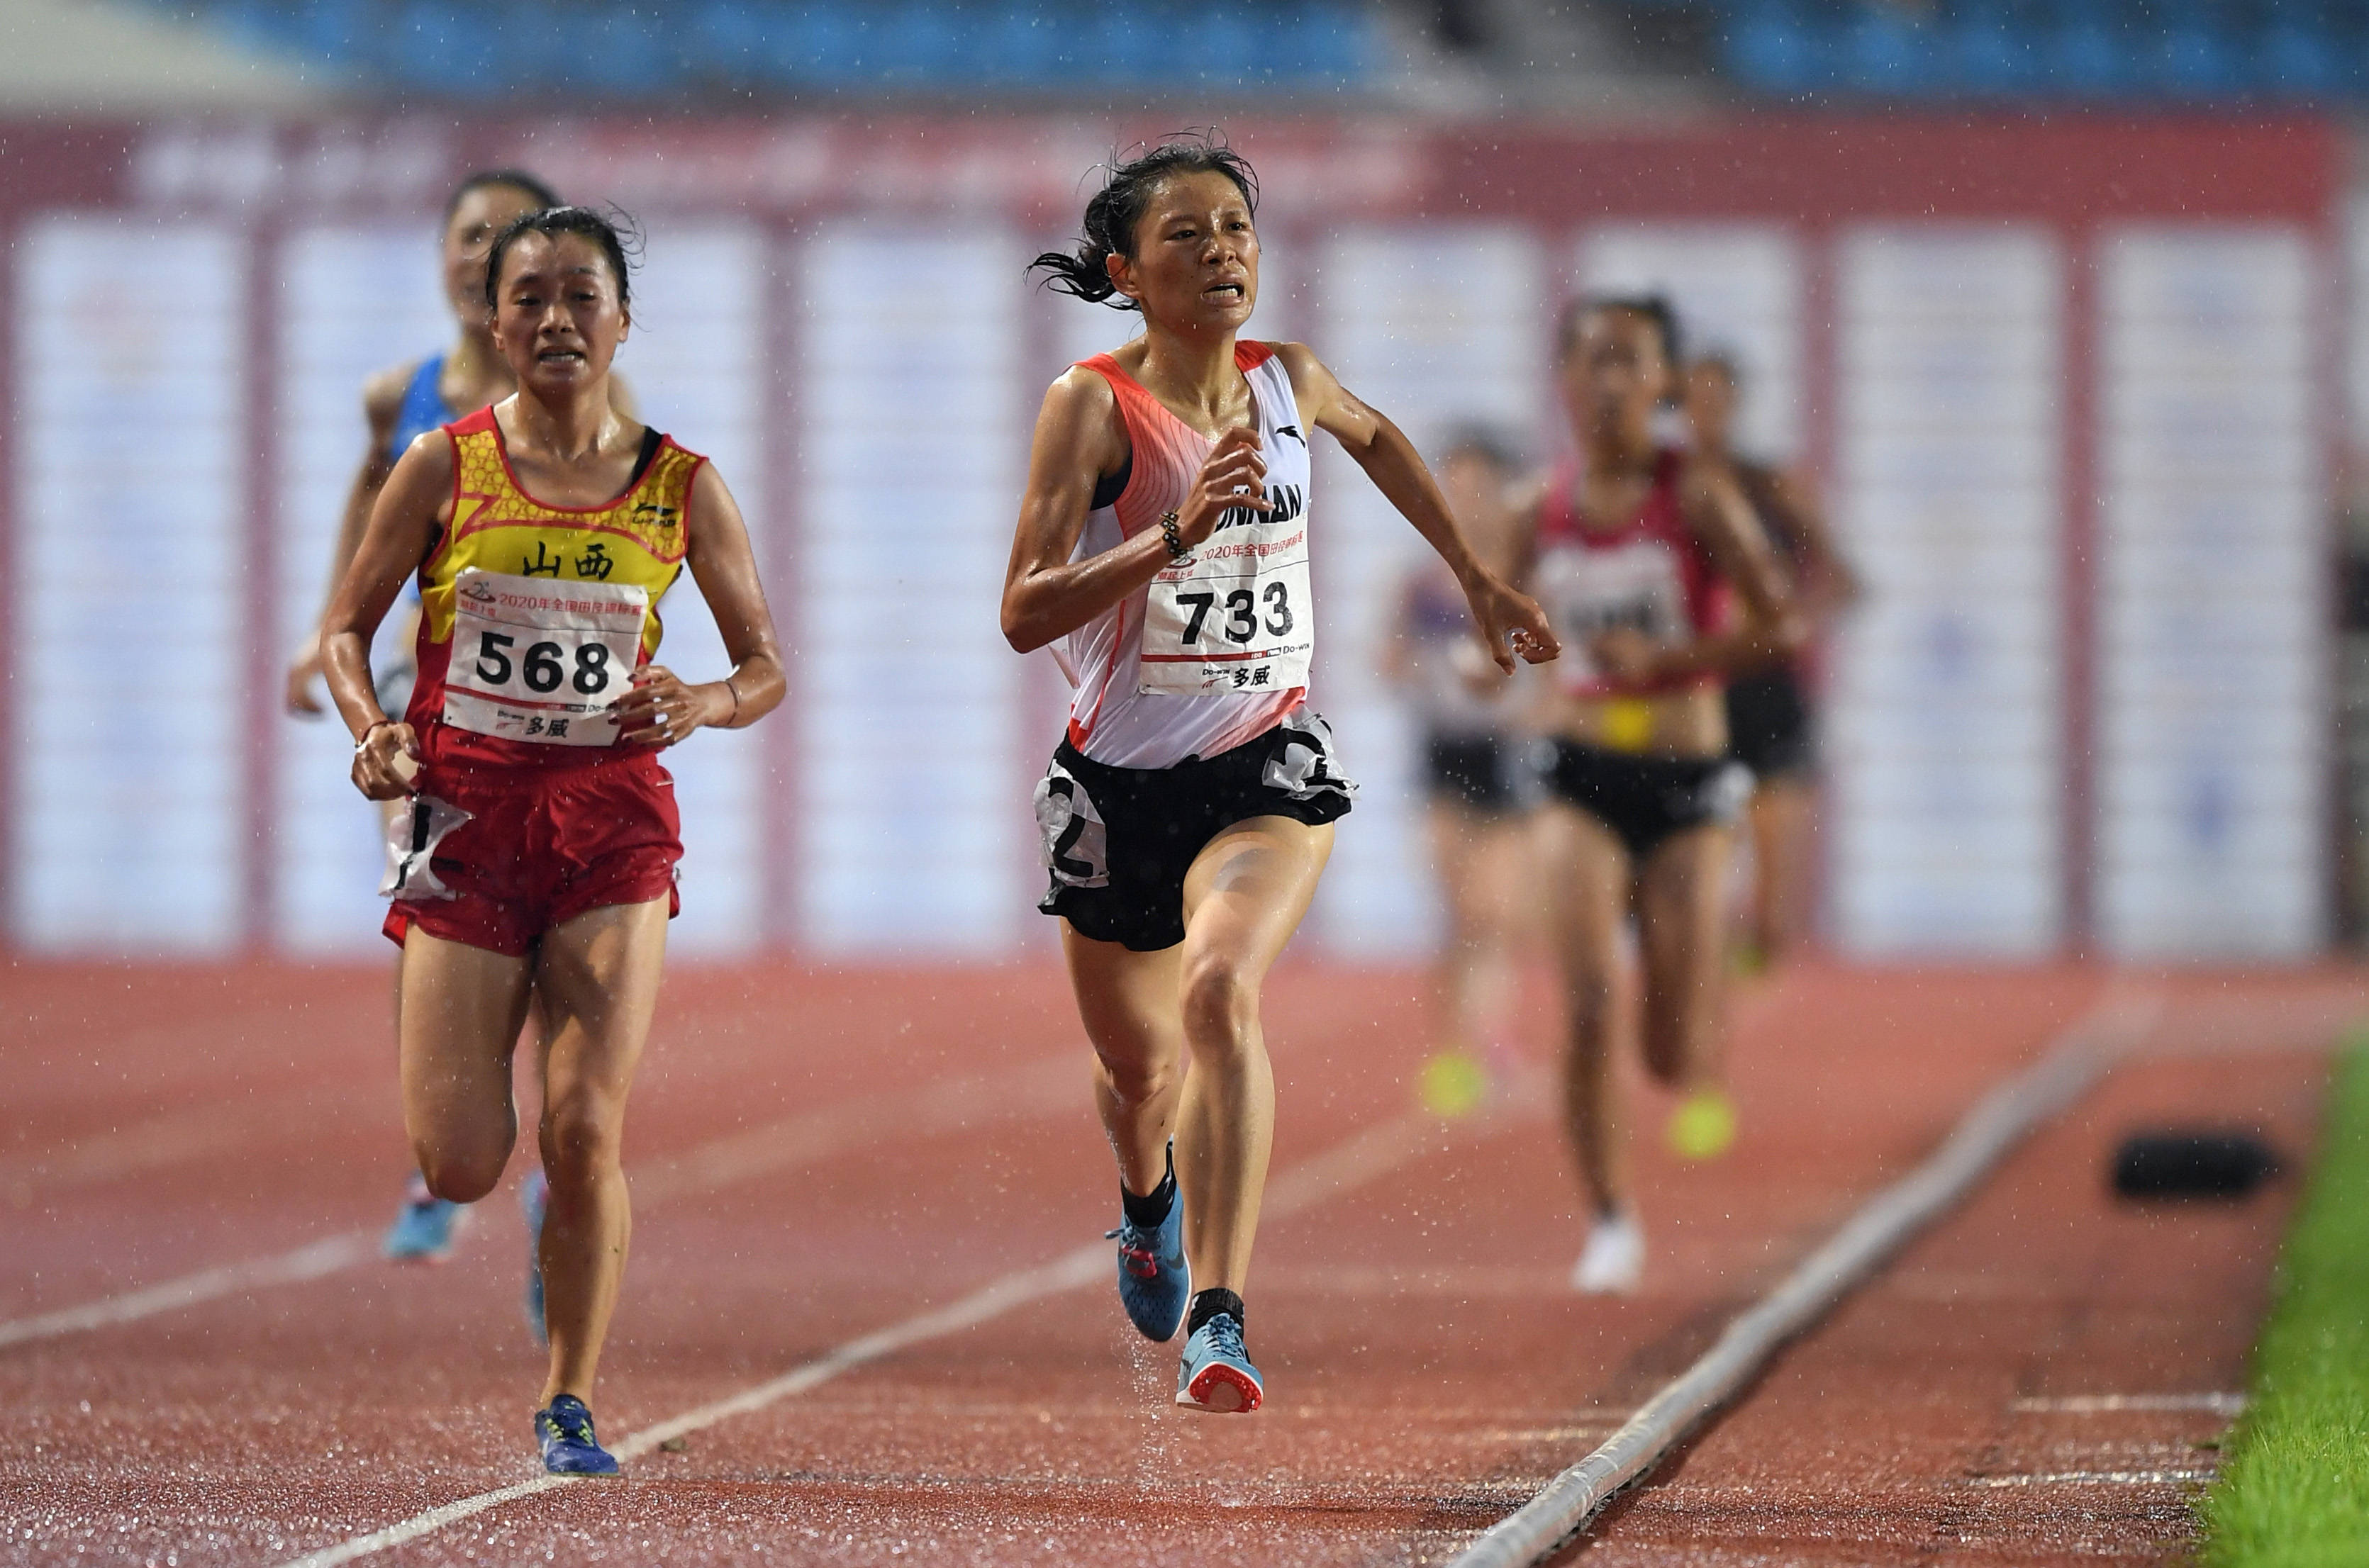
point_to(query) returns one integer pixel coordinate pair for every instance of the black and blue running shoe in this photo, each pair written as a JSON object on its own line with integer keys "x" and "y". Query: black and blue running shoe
{"x": 563, "y": 1427}
{"x": 1155, "y": 1284}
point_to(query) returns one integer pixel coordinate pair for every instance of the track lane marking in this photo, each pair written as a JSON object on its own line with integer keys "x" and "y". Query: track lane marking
{"x": 2098, "y": 1478}
{"x": 1363, "y": 1157}
{"x": 2073, "y": 1060}
{"x": 313, "y": 1261}
{"x": 1038, "y": 1088}
{"x": 2229, "y": 1405}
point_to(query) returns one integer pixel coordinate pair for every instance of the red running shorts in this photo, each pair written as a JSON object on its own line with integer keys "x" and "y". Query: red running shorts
{"x": 543, "y": 847}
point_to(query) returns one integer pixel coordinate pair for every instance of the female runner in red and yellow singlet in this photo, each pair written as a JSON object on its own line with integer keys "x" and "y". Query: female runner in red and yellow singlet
{"x": 544, "y": 531}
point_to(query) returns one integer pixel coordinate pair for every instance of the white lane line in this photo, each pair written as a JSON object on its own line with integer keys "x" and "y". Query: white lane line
{"x": 1042, "y": 1087}
{"x": 325, "y": 1257}
{"x": 2097, "y": 1478}
{"x": 168, "y": 1138}
{"x": 1039, "y": 1088}
{"x": 1363, "y": 1157}
{"x": 2230, "y": 1404}
{"x": 2076, "y": 1060}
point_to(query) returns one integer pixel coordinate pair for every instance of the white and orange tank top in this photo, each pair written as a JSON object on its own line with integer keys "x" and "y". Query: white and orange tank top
{"x": 557, "y": 605}
{"x": 1214, "y": 652}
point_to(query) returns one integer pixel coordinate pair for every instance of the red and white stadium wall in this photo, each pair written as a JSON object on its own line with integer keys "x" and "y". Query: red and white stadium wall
{"x": 2069, "y": 389}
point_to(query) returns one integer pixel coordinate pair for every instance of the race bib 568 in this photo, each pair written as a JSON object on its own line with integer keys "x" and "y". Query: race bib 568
{"x": 536, "y": 659}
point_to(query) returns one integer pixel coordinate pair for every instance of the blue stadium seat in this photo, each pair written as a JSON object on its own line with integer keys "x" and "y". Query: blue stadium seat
{"x": 620, "y": 51}
{"x": 2086, "y": 55}
{"x": 421, "y": 50}
{"x": 1988, "y": 52}
{"x": 2194, "y": 58}
{"x": 727, "y": 39}
{"x": 1334, "y": 41}
{"x": 2298, "y": 59}
{"x": 809, "y": 46}
{"x": 1020, "y": 45}
{"x": 1220, "y": 47}
{"x": 1118, "y": 44}
{"x": 1887, "y": 53}
{"x": 334, "y": 30}
{"x": 920, "y": 44}
{"x": 1769, "y": 49}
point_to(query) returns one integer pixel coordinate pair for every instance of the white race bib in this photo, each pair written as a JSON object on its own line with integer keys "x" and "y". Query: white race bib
{"x": 1587, "y": 593}
{"x": 1237, "y": 619}
{"x": 536, "y": 659}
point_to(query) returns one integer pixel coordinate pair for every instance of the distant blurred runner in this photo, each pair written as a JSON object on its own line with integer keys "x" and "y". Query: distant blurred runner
{"x": 540, "y": 830}
{"x": 1477, "y": 795}
{"x": 1659, "y": 581}
{"x": 1163, "y": 551}
{"x": 399, "y": 404}
{"x": 1772, "y": 724}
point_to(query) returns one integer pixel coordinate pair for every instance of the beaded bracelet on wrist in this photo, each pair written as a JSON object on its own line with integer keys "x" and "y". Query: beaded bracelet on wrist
{"x": 1178, "y": 555}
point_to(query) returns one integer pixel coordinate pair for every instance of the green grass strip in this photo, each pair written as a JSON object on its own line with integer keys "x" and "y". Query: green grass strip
{"x": 2294, "y": 1487}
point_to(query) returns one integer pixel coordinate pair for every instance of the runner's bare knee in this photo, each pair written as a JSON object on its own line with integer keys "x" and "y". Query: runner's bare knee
{"x": 1221, "y": 1003}
{"x": 581, "y": 1135}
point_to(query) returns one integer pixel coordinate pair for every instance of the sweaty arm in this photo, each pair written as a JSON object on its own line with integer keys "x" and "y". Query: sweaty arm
{"x": 404, "y": 521}
{"x": 1079, "y": 440}
{"x": 661, "y": 709}
{"x": 1771, "y": 625}
{"x": 1510, "y": 622}
{"x": 1827, "y": 582}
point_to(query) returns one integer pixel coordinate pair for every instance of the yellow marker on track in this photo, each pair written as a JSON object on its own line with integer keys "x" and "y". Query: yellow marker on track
{"x": 1452, "y": 1085}
{"x": 1703, "y": 1126}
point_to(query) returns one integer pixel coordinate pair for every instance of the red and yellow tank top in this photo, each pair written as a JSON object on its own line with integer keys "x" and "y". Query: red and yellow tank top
{"x": 639, "y": 539}
{"x": 1651, "y": 575}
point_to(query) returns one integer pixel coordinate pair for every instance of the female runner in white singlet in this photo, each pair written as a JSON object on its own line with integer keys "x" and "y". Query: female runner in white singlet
{"x": 1661, "y": 582}
{"x": 1163, "y": 551}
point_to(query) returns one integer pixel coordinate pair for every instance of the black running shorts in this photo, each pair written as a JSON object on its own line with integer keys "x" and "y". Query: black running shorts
{"x": 1643, "y": 798}
{"x": 1118, "y": 841}
{"x": 1470, "y": 771}
{"x": 1770, "y": 729}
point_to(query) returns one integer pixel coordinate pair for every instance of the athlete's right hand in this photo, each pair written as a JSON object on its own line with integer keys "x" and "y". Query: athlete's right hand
{"x": 1234, "y": 475}
{"x": 303, "y": 670}
{"x": 376, "y": 771}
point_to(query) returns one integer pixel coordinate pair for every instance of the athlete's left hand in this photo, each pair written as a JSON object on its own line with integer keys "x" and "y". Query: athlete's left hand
{"x": 1511, "y": 622}
{"x": 661, "y": 709}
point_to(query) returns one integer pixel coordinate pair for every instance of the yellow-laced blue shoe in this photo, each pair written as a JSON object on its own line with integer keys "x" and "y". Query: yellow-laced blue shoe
{"x": 563, "y": 1427}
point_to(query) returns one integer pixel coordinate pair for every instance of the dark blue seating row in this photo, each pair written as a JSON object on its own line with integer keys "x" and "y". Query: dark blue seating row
{"x": 2179, "y": 51}
{"x": 485, "y": 47}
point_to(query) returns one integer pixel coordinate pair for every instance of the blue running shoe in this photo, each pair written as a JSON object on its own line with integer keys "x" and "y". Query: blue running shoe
{"x": 534, "y": 1198}
{"x": 563, "y": 1427}
{"x": 425, "y": 1230}
{"x": 1155, "y": 1283}
{"x": 1215, "y": 1374}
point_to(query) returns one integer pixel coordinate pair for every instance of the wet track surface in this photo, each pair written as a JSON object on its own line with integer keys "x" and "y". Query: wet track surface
{"x": 817, "y": 1157}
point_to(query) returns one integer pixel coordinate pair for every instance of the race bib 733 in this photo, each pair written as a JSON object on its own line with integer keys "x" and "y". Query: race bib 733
{"x": 1239, "y": 618}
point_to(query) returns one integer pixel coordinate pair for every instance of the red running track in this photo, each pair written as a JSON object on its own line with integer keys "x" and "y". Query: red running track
{"x": 818, "y": 1156}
